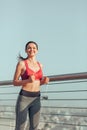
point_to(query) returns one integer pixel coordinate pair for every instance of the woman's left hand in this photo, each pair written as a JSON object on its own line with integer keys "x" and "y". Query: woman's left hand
{"x": 45, "y": 80}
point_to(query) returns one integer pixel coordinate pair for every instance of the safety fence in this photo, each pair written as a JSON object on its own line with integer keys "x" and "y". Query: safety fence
{"x": 63, "y": 101}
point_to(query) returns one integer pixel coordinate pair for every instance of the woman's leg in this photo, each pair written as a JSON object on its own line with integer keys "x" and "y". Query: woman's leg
{"x": 34, "y": 114}
{"x": 21, "y": 113}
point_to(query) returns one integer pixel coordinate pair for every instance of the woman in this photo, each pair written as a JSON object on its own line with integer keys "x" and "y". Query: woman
{"x": 29, "y": 75}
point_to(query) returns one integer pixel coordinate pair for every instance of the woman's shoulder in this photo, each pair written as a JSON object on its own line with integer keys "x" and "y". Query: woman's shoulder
{"x": 41, "y": 65}
{"x": 21, "y": 63}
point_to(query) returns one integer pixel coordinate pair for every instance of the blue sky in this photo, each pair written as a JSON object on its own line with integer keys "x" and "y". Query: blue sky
{"x": 58, "y": 26}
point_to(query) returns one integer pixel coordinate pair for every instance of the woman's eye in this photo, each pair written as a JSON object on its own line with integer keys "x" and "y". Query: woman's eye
{"x": 34, "y": 48}
{"x": 31, "y": 48}
{"x": 28, "y": 48}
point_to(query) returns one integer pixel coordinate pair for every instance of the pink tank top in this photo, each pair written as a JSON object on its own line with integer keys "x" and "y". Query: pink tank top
{"x": 38, "y": 75}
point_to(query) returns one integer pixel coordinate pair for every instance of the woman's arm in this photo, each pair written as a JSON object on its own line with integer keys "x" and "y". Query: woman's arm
{"x": 16, "y": 80}
{"x": 45, "y": 80}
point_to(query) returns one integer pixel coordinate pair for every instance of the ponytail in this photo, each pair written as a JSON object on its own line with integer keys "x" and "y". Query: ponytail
{"x": 21, "y": 58}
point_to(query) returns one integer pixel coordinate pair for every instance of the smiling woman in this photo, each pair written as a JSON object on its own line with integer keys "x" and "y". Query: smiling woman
{"x": 28, "y": 103}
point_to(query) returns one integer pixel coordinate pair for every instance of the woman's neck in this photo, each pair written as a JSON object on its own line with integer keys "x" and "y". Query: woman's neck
{"x": 32, "y": 60}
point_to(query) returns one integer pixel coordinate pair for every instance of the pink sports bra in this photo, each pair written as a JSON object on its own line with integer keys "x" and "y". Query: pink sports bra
{"x": 38, "y": 75}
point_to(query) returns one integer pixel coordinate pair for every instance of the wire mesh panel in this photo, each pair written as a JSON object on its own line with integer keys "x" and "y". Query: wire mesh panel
{"x": 64, "y": 105}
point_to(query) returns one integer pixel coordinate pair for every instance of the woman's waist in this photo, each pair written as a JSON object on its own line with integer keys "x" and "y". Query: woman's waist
{"x": 29, "y": 93}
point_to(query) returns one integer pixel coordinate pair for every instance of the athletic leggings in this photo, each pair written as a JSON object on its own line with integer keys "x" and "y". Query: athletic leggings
{"x": 27, "y": 110}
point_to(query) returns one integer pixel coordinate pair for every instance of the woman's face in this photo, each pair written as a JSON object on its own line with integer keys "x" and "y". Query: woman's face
{"x": 31, "y": 50}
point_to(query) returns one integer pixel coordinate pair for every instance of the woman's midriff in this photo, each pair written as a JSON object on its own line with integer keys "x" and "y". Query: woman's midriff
{"x": 32, "y": 87}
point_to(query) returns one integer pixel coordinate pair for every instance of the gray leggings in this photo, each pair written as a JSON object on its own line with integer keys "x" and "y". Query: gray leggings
{"x": 27, "y": 113}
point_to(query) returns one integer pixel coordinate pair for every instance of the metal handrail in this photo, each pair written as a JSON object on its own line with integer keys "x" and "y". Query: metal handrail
{"x": 53, "y": 78}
